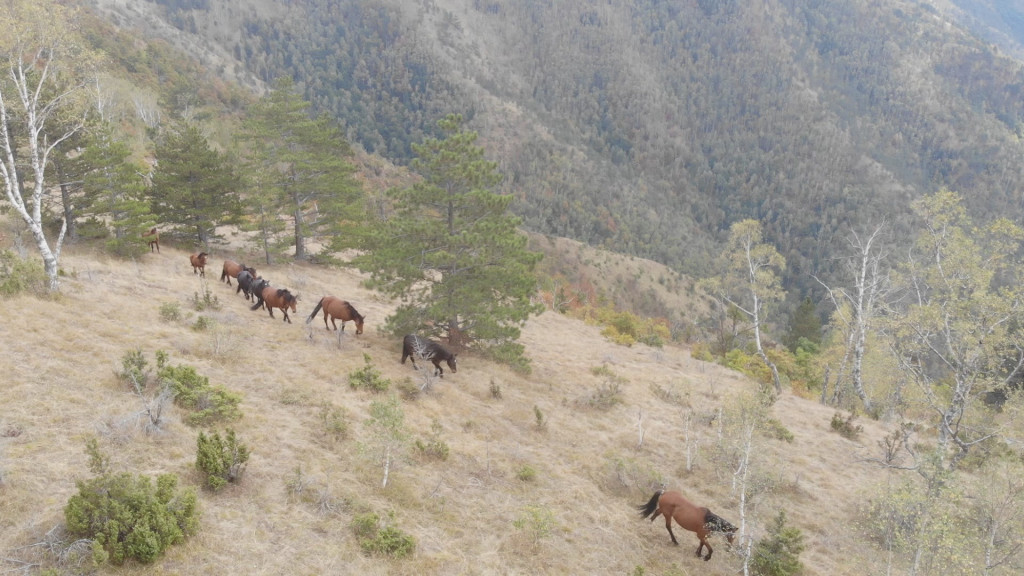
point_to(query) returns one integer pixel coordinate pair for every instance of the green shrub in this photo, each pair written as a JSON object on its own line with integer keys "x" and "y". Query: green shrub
{"x": 537, "y": 521}
{"x": 380, "y": 540}
{"x": 134, "y": 369}
{"x": 778, "y": 554}
{"x": 170, "y": 312}
{"x": 192, "y": 391}
{"x": 775, "y": 429}
{"x": 541, "y": 421}
{"x": 433, "y": 447}
{"x": 220, "y": 460}
{"x": 17, "y": 275}
{"x": 368, "y": 377}
{"x": 208, "y": 300}
{"x": 609, "y": 392}
{"x": 526, "y": 473}
{"x": 127, "y": 517}
{"x": 845, "y": 426}
{"x": 334, "y": 421}
{"x": 203, "y": 323}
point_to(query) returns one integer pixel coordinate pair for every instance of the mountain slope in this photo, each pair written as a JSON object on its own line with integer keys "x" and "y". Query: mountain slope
{"x": 649, "y": 127}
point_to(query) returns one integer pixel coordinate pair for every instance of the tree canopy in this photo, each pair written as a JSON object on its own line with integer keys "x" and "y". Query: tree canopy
{"x": 451, "y": 251}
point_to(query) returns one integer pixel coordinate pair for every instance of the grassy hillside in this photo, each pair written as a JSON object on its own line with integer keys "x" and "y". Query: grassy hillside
{"x": 592, "y": 464}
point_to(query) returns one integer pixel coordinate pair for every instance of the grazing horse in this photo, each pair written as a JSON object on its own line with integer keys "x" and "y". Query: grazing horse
{"x": 413, "y": 346}
{"x": 199, "y": 263}
{"x": 249, "y": 283}
{"x": 154, "y": 238}
{"x": 231, "y": 270}
{"x": 337, "y": 308}
{"x": 276, "y": 298}
{"x": 673, "y": 506}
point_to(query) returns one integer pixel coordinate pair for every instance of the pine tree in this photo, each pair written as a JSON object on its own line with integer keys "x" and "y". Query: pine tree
{"x": 452, "y": 251}
{"x": 194, "y": 186}
{"x": 804, "y": 325}
{"x": 303, "y": 168}
{"x": 113, "y": 188}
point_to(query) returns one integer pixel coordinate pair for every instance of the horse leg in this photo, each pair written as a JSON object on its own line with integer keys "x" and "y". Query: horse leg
{"x": 285, "y": 310}
{"x": 703, "y": 543}
{"x": 668, "y": 526}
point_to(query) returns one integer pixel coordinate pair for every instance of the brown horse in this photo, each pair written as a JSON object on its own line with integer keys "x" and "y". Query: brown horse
{"x": 231, "y": 270}
{"x": 154, "y": 238}
{"x": 276, "y": 298}
{"x": 672, "y": 505}
{"x": 199, "y": 263}
{"x": 337, "y": 308}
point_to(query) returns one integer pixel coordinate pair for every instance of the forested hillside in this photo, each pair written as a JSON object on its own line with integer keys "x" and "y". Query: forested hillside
{"x": 649, "y": 127}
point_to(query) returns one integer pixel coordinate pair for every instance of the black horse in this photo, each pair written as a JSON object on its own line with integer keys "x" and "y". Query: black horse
{"x": 256, "y": 290}
{"x": 413, "y": 346}
{"x": 247, "y": 283}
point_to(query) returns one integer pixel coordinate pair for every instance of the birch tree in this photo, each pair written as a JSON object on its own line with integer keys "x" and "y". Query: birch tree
{"x": 957, "y": 336}
{"x": 857, "y": 305}
{"x": 389, "y": 438}
{"x": 43, "y": 102}
{"x": 750, "y": 282}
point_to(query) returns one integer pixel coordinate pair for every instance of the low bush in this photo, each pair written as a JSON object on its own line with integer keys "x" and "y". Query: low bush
{"x": 846, "y": 427}
{"x": 221, "y": 460}
{"x": 127, "y": 517}
{"x": 170, "y": 312}
{"x": 778, "y": 553}
{"x": 192, "y": 391}
{"x": 17, "y": 275}
{"x": 379, "y": 540}
{"x": 433, "y": 448}
{"x": 368, "y": 378}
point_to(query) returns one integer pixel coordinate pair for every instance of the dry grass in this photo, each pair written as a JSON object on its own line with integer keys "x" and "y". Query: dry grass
{"x": 59, "y": 359}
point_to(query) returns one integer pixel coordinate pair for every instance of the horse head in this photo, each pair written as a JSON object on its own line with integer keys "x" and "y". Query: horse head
{"x": 718, "y": 524}
{"x": 451, "y": 363}
{"x": 289, "y": 299}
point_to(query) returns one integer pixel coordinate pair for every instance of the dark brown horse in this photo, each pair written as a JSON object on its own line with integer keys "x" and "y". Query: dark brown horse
{"x": 199, "y": 263}
{"x": 673, "y": 506}
{"x": 231, "y": 270}
{"x": 276, "y": 298}
{"x": 415, "y": 347}
{"x": 154, "y": 238}
{"x": 337, "y": 308}
{"x": 248, "y": 284}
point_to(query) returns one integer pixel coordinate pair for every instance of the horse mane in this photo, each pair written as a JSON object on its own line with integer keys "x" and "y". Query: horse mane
{"x": 352, "y": 311}
{"x": 717, "y": 523}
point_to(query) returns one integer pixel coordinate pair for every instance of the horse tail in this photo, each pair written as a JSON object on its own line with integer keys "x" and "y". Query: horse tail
{"x": 652, "y": 505}
{"x": 315, "y": 310}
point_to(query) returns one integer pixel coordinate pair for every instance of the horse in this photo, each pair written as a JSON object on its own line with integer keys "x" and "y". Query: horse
{"x": 340, "y": 309}
{"x": 199, "y": 263}
{"x": 413, "y": 346}
{"x": 231, "y": 270}
{"x": 694, "y": 518}
{"x": 276, "y": 298}
{"x": 154, "y": 241}
{"x": 249, "y": 283}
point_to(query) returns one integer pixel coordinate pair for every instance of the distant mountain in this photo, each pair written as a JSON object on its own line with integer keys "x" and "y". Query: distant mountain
{"x": 646, "y": 126}
{"x": 998, "y": 21}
